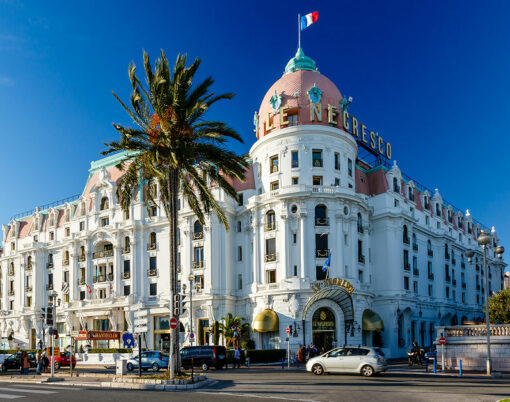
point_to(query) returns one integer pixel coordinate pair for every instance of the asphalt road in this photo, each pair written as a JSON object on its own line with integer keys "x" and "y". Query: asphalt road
{"x": 259, "y": 384}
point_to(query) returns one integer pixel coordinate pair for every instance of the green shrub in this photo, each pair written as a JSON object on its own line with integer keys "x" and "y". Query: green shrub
{"x": 112, "y": 350}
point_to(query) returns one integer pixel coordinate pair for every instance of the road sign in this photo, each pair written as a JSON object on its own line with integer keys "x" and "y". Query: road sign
{"x": 442, "y": 341}
{"x": 141, "y": 322}
{"x": 173, "y": 322}
{"x": 74, "y": 334}
{"x": 140, "y": 330}
{"x": 191, "y": 335}
{"x": 141, "y": 313}
{"x": 287, "y": 330}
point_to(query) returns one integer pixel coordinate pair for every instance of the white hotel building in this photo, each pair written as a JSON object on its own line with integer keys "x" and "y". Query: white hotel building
{"x": 397, "y": 262}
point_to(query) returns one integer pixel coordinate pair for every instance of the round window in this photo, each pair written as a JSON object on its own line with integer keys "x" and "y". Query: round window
{"x": 293, "y": 208}
{"x": 346, "y": 211}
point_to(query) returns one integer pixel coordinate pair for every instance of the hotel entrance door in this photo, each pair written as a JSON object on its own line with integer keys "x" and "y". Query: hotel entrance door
{"x": 323, "y": 329}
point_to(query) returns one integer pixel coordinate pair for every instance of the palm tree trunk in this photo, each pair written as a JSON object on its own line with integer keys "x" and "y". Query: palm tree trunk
{"x": 173, "y": 196}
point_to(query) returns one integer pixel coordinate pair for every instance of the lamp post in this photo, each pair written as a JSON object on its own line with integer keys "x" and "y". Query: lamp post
{"x": 484, "y": 239}
{"x": 53, "y": 296}
{"x": 192, "y": 335}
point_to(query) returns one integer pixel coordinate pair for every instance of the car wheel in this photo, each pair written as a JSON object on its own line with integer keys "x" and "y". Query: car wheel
{"x": 205, "y": 367}
{"x": 57, "y": 365}
{"x": 367, "y": 371}
{"x": 130, "y": 367}
{"x": 155, "y": 367}
{"x": 317, "y": 369}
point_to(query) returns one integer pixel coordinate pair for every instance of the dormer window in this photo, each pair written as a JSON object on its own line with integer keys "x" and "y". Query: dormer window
{"x": 411, "y": 194}
{"x": 82, "y": 209}
{"x": 438, "y": 209}
{"x": 52, "y": 220}
{"x": 396, "y": 187}
{"x": 68, "y": 216}
{"x": 105, "y": 204}
{"x": 426, "y": 203}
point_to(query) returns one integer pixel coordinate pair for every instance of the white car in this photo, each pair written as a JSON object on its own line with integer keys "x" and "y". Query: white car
{"x": 349, "y": 359}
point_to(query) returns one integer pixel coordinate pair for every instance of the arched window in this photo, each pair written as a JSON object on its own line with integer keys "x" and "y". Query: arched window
{"x": 152, "y": 241}
{"x": 270, "y": 220}
{"x": 321, "y": 215}
{"x": 405, "y": 235}
{"x": 360, "y": 223}
{"x": 239, "y": 226}
{"x": 105, "y": 204}
{"x": 198, "y": 231}
{"x": 396, "y": 187}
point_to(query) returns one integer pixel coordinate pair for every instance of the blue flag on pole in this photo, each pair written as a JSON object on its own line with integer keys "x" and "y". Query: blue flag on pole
{"x": 326, "y": 265}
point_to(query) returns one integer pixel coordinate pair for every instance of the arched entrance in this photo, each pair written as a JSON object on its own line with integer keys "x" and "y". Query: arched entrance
{"x": 323, "y": 328}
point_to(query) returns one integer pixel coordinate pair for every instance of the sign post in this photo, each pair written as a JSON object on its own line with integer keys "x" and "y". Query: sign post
{"x": 141, "y": 322}
{"x": 442, "y": 341}
{"x": 288, "y": 346}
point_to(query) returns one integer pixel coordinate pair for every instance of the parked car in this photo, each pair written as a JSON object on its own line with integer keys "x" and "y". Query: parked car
{"x": 431, "y": 352}
{"x": 63, "y": 360}
{"x": 151, "y": 359}
{"x": 349, "y": 359}
{"x": 13, "y": 362}
{"x": 204, "y": 357}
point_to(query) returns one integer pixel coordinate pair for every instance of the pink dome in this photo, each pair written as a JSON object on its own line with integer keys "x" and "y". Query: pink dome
{"x": 293, "y": 88}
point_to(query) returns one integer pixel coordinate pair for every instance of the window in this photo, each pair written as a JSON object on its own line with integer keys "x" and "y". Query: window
{"x": 239, "y": 253}
{"x": 427, "y": 220}
{"x": 321, "y": 245}
{"x": 270, "y": 250}
{"x": 105, "y": 221}
{"x": 270, "y": 220}
{"x": 273, "y": 164}
{"x": 396, "y": 203}
{"x": 406, "y": 282}
{"x": 275, "y": 185}
{"x": 82, "y": 295}
{"x": 337, "y": 182}
{"x": 199, "y": 281}
{"x": 406, "y": 260}
{"x": 411, "y": 194}
{"x": 317, "y": 158}
{"x": 294, "y": 159}
{"x": 337, "y": 161}
{"x": 295, "y": 180}
{"x": 82, "y": 226}
{"x": 198, "y": 257}
{"x": 360, "y": 276}
{"x": 349, "y": 167}
{"x": 463, "y": 298}
{"x": 294, "y": 238}
{"x": 52, "y": 237}
{"x": 153, "y": 289}
{"x": 127, "y": 267}
{"x": 29, "y": 301}
{"x": 319, "y": 273}
{"x": 429, "y": 249}
{"x": 405, "y": 235}
{"x": 360, "y": 223}
{"x": 153, "y": 263}
{"x": 415, "y": 287}
{"x": 240, "y": 281}
{"x": 127, "y": 290}
{"x": 447, "y": 292}
{"x": 396, "y": 187}
{"x": 239, "y": 226}
{"x": 153, "y": 211}
{"x": 361, "y": 257}
{"x": 438, "y": 209}
{"x": 295, "y": 270}
{"x": 240, "y": 199}
{"x": 105, "y": 204}
{"x": 321, "y": 215}
{"x": 152, "y": 241}
{"x": 317, "y": 180}
{"x": 50, "y": 279}
{"x": 68, "y": 232}
{"x": 271, "y": 276}
{"x": 431, "y": 291}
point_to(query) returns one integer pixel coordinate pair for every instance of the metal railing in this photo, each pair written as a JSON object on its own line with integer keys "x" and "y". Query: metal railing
{"x": 321, "y": 253}
{"x": 361, "y": 259}
{"x": 198, "y": 235}
{"x": 49, "y": 286}
{"x": 152, "y": 272}
{"x": 126, "y": 250}
{"x": 82, "y": 258}
{"x": 321, "y": 221}
{"x": 198, "y": 264}
{"x": 81, "y": 281}
{"x": 270, "y": 257}
{"x": 49, "y": 265}
{"x": 46, "y": 206}
{"x": 478, "y": 330}
{"x": 270, "y": 226}
{"x": 65, "y": 262}
{"x": 102, "y": 254}
{"x": 430, "y": 253}
{"x": 151, "y": 246}
{"x": 126, "y": 275}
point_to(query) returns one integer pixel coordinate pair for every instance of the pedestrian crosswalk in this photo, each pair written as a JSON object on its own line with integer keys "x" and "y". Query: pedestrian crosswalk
{"x": 17, "y": 391}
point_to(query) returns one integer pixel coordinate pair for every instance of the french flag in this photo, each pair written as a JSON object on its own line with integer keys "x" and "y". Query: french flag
{"x": 309, "y": 19}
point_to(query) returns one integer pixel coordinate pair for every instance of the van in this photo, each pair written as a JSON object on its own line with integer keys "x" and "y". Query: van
{"x": 204, "y": 357}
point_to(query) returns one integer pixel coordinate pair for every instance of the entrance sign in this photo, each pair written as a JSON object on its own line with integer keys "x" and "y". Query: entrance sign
{"x": 442, "y": 341}
{"x": 318, "y": 285}
{"x": 173, "y": 323}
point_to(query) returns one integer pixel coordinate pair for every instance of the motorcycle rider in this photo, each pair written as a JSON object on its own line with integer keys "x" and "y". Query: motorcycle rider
{"x": 416, "y": 352}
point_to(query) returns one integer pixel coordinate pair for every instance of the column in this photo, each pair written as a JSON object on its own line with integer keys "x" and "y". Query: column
{"x": 283, "y": 259}
{"x": 256, "y": 252}
{"x": 303, "y": 244}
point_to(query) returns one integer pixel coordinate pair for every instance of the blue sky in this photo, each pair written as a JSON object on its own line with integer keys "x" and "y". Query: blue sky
{"x": 431, "y": 77}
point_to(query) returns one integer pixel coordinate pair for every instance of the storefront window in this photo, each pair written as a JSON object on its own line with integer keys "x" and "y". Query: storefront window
{"x": 162, "y": 322}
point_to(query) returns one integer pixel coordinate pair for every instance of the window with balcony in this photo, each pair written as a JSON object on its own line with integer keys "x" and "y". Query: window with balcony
{"x": 153, "y": 266}
{"x": 337, "y": 161}
{"x": 294, "y": 156}
{"x": 321, "y": 215}
{"x": 415, "y": 242}
{"x": 105, "y": 221}
{"x": 105, "y": 204}
{"x": 429, "y": 270}
{"x": 50, "y": 260}
{"x": 317, "y": 158}
{"x": 416, "y": 272}
{"x": 270, "y": 221}
{"x": 317, "y": 180}
{"x": 153, "y": 289}
{"x": 275, "y": 185}
{"x": 321, "y": 245}
{"x": 273, "y": 164}
{"x": 199, "y": 282}
{"x": 446, "y": 252}
{"x": 126, "y": 271}
{"x": 270, "y": 250}
{"x": 126, "y": 247}
{"x": 405, "y": 235}
{"x": 447, "y": 273}
{"x": 198, "y": 257}
{"x": 152, "y": 241}
{"x": 50, "y": 282}
{"x": 66, "y": 258}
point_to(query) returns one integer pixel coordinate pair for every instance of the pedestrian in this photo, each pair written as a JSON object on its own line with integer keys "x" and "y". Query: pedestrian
{"x": 21, "y": 371}
{"x": 46, "y": 362}
{"x": 39, "y": 361}
{"x": 246, "y": 358}
{"x": 301, "y": 354}
{"x": 26, "y": 363}
{"x": 237, "y": 358}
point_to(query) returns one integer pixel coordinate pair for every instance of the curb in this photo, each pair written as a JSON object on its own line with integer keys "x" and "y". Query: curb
{"x": 156, "y": 387}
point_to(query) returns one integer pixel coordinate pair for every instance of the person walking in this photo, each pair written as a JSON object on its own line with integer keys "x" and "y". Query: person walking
{"x": 246, "y": 358}
{"x": 39, "y": 362}
{"x": 237, "y": 358}
{"x": 46, "y": 362}
{"x": 301, "y": 354}
{"x": 21, "y": 356}
{"x": 26, "y": 363}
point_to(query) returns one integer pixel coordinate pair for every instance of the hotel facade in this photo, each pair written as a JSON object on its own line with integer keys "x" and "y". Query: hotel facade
{"x": 396, "y": 249}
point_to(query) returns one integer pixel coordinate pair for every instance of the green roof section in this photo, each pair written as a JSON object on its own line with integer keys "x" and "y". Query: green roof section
{"x": 300, "y": 62}
{"x": 109, "y": 161}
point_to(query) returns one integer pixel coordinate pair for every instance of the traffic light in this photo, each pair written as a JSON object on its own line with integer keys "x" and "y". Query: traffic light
{"x": 177, "y": 304}
{"x": 49, "y": 316}
{"x": 55, "y": 333}
{"x": 182, "y": 305}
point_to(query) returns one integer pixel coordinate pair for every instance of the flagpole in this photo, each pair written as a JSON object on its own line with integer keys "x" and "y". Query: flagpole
{"x": 299, "y": 30}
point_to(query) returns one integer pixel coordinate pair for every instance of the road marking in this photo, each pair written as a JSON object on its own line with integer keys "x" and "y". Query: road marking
{"x": 42, "y": 386}
{"x": 256, "y": 396}
{"x": 9, "y": 396}
{"x": 32, "y": 391}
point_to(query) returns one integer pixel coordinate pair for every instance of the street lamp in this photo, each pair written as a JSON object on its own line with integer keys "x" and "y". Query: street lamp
{"x": 191, "y": 278}
{"x": 484, "y": 239}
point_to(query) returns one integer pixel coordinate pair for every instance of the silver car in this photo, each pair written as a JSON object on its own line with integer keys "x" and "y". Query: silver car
{"x": 349, "y": 359}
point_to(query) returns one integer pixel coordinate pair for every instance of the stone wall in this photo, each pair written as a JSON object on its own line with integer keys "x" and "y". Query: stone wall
{"x": 469, "y": 344}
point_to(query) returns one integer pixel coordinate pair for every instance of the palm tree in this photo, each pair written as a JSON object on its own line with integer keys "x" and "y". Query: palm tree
{"x": 228, "y": 329}
{"x": 173, "y": 146}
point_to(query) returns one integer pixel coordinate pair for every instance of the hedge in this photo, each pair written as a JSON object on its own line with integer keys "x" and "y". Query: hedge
{"x": 260, "y": 355}
{"x": 13, "y": 351}
{"x": 111, "y": 350}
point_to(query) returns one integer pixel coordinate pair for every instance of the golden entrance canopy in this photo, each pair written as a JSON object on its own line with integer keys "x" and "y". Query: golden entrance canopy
{"x": 266, "y": 321}
{"x": 372, "y": 321}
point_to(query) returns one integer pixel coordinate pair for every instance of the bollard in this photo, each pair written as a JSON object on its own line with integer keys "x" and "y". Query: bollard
{"x": 460, "y": 368}
{"x": 283, "y": 363}
{"x": 297, "y": 362}
{"x": 435, "y": 365}
{"x": 426, "y": 364}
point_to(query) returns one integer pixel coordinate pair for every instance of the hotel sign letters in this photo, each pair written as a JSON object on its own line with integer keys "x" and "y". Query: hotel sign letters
{"x": 326, "y": 283}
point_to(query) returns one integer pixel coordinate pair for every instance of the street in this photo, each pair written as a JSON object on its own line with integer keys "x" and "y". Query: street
{"x": 270, "y": 383}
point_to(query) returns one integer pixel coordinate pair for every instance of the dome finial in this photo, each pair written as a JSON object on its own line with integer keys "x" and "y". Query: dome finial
{"x": 300, "y": 62}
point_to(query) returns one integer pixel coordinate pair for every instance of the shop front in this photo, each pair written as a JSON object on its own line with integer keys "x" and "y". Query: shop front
{"x": 97, "y": 339}
{"x": 162, "y": 332}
